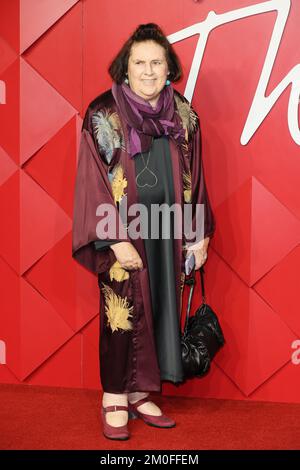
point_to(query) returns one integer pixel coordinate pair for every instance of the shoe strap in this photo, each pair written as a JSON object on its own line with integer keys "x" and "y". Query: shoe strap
{"x": 107, "y": 409}
{"x": 140, "y": 402}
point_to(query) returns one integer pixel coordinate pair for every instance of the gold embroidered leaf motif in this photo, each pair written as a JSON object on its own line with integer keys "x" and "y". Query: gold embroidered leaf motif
{"x": 185, "y": 148}
{"x": 118, "y": 273}
{"x": 193, "y": 120}
{"x": 118, "y": 183}
{"x": 187, "y": 186}
{"x": 114, "y": 120}
{"x": 188, "y": 116}
{"x": 182, "y": 279}
{"x": 117, "y": 310}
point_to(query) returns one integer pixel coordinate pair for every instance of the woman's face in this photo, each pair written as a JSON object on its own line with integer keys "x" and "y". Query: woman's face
{"x": 147, "y": 70}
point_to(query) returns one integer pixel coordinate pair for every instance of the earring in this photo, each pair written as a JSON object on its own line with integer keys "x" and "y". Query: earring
{"x": 126, "y": 80}
{"x": 168, "y": 82}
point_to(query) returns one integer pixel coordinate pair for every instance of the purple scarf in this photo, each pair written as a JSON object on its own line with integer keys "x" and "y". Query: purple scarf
{"x": 143, "y": 121}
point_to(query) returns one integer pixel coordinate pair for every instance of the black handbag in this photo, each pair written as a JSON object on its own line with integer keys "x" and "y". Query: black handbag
{"x": 202, "y": 336}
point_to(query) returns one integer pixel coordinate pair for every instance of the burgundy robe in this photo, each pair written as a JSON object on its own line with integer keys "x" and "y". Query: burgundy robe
{"x": 106, "y": 174}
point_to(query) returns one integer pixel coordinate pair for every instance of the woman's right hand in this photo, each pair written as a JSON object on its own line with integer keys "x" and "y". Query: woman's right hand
{"x": 127, "y": 255}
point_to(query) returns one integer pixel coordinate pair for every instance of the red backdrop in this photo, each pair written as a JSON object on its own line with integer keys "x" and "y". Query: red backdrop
{"x": 53, "y": 61}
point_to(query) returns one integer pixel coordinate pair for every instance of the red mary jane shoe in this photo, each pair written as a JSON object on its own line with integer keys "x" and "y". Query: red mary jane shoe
{"x": 161, "y": 421}
{"x": 114, "y": 432}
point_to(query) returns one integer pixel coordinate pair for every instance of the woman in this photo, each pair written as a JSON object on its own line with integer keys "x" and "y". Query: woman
{"x": 141, "y": 143}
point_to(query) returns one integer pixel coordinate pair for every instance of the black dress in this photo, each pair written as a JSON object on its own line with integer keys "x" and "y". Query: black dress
{"x": 160, "y": 258}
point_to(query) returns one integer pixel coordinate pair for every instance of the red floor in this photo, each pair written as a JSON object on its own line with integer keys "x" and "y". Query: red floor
{"x": 56, "y": 418}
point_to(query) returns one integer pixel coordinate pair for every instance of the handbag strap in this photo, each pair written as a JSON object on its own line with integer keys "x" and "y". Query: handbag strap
{"x": 191, "y": 281}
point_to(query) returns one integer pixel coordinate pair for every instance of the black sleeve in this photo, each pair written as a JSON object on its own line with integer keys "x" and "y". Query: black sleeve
{"x": 104, "y": 244}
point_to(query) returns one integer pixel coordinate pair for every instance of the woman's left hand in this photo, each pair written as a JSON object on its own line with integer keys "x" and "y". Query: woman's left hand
{"x": 201, "y": 254}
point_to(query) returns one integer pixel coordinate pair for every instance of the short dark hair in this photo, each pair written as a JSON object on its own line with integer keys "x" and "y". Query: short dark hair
{"x": 145, "y": 32}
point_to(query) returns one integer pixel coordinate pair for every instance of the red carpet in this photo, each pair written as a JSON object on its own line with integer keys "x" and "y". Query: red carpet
{"x": 57, "y": 418}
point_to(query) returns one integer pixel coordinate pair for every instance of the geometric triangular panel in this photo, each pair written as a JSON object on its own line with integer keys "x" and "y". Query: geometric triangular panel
{"x": 282, "y": 387}
{"x": 7, "y": 376}
{"x": 7, "y": 166}
{"x": 54, "y": 166}
{"x": 57, "y": 56}
{"x": 63, "y": 368}
{"x": 280, "y": 289}
{"x": 269, "y": 343}
{"x": 42, "y": 330}
{"x": 233, "y": 230}
{"x": 7, "y": 55}
{"x": 275, "y": 231}
{"x": 255, "y": 231}
{"x": 258, "y": 342}
{"x": 10, "y": 111}
{"x": 10, "y": 215}
{"x": 37, "y": 16}
{"x": 9, "y": 23}
{"x": 10, "y": 308}
{"x": 43, "y": 111}
{"x": 71, "y": 290}
{"x": 43, "y": 222}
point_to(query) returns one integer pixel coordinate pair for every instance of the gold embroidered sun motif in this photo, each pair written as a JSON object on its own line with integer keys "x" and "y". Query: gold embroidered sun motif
{"x": 118, "y": 183}
{"x": 118, "y": 273}
{"x": 188, "y": 116}
{"x": 187, "y": 186}
{"x": 117, "y": 310}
